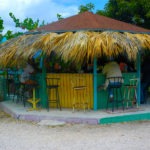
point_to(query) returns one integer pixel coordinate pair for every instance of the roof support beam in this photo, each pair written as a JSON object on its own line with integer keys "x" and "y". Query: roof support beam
{"x": 95, "y": 84}
{"x": 139, "y": 77}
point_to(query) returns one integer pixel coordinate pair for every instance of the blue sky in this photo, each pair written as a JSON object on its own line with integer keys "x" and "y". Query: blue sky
{"x": 42, "y": 9}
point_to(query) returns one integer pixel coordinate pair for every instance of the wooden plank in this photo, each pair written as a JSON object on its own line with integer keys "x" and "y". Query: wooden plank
{"x": 65, "y": 90}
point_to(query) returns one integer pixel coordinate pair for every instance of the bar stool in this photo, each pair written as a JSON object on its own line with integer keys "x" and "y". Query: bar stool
{"x": 24, "y": 89}
{"x": 34, "y": 101}
{"x": 131, "y": 91}
{"x": 79, "y": 93}
{"x": 115, "y": 96}
{"x": 52, "y": 91}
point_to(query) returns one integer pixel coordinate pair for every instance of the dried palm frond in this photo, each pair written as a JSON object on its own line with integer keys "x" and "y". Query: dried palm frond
{"x": 81, "y": 45}
{"x": 20, "y": 47}
{"x": 25, "y": 47}
{"x": 97, "y": 46}
{"x": 144, "y": 40}
{"x": 74, "y": 48}
{"x": 135, "y": 44}
{"x": 60, "y": 41}
{"x": 46, "y": 42}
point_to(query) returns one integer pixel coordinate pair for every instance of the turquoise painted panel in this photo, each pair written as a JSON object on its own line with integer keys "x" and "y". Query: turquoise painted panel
{"x": 102, "y": 95}
{"x": 125, "y": 118}
{"x": 38, "y": 90}
{"x": 4, "y": 39}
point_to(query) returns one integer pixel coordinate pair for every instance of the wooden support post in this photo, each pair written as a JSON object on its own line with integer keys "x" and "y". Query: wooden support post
{"x": 43, "y": 84}
{"x": 95, "y": 84}
{"x": 139, "y": 76}
{"x": 5, "y": 81}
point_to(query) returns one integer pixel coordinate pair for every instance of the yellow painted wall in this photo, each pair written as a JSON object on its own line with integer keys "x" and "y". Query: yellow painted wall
{"x": 66, "y": 91}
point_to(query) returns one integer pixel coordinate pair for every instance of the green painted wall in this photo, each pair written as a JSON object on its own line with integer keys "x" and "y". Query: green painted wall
{"x": 41, "y": 91}
{"x": 3, "y": 89}
{"x": 125, "y": 118}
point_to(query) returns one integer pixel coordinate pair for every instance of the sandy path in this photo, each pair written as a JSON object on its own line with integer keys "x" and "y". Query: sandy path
{"x": 23, "y": 135}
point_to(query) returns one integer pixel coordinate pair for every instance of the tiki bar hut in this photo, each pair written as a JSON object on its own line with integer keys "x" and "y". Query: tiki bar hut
{"x": 78, "y": 46}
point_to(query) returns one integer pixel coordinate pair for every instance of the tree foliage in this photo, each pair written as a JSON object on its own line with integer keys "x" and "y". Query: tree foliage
{"x": 87, "y": 7}
{"x": 9, "y": 34}
{"x": 1, "y": 27}
{"x": 42, "y": 24}
{"x": 28, "y": 23}
{"x": 132, "y": 11}
{"x": 59, "y": 17}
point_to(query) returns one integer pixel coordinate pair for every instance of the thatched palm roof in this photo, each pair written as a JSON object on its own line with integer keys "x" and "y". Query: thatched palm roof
{"x": 76, "y": 46}
{"x": 17, "y": 50}
{"x": 96, "y": 44}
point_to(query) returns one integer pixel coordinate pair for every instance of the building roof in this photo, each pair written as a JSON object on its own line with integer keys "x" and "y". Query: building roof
{"x": 90, "y": 21}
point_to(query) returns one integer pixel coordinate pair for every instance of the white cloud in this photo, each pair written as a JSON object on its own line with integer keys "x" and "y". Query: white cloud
{"x": 38, "y": 9}
{"x": 48, "y": 10}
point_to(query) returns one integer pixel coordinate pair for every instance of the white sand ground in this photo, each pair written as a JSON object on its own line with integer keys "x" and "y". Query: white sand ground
{"x": 23, "y": 135}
